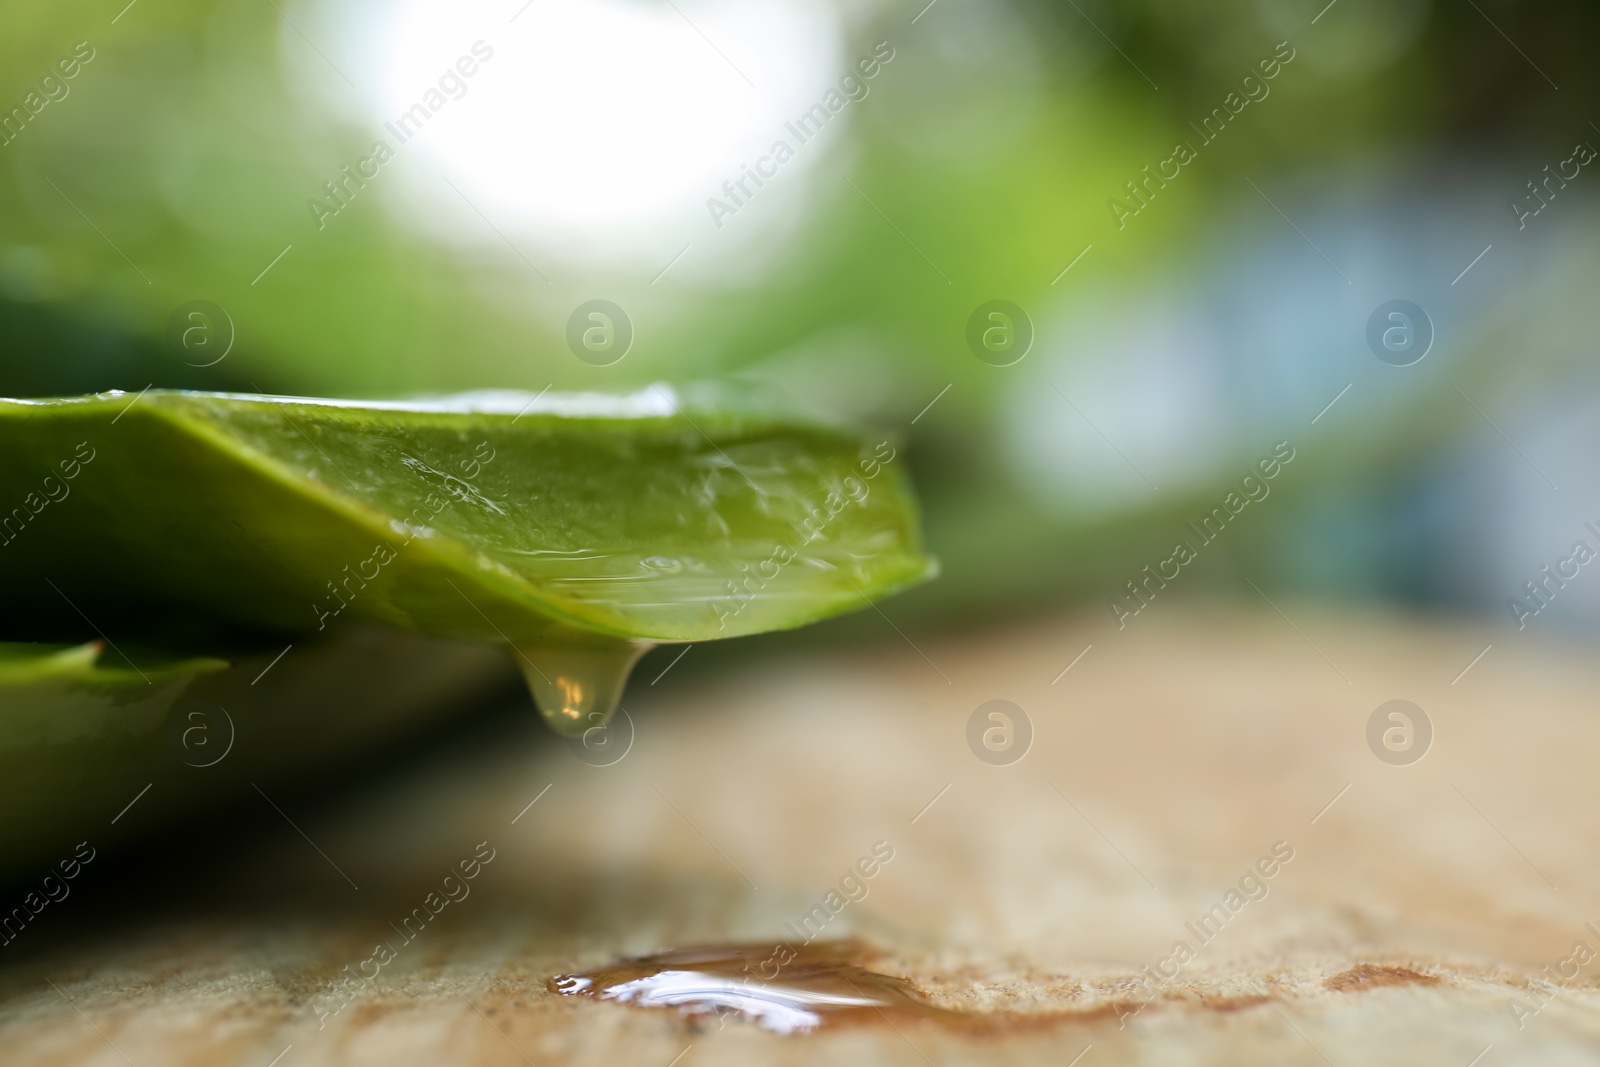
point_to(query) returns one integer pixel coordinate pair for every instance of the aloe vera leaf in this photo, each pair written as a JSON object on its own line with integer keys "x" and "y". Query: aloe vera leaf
{"x": 578, "y": 529}
{"x": 68, "y": 720}
{"x": 54, "y": 694}
{"x": 82, "y": 733}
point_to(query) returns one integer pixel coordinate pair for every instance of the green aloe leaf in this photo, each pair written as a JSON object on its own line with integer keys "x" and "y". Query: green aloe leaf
{"x": 84, "y": 733}
{"x": 56, "y": 693}
{"x": 64, "y": 712}
{"x": 577, "y": 529}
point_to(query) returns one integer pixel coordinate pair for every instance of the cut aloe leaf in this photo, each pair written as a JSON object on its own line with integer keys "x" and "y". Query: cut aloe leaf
{"x": 91, "y": 747}
{"x": 64, "y": 711}
{"x": 576, "y": 529}
{"x": 57, "y": 693}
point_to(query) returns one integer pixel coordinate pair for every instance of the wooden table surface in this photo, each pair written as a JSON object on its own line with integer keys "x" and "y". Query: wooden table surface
{"x": 1417, "y": 911}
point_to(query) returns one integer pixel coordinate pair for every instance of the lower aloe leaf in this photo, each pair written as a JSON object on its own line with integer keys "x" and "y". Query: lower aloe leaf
{"x": 58, "y": 693}
{"x": 578, "y": 530}
{"x": 93, "y": 748}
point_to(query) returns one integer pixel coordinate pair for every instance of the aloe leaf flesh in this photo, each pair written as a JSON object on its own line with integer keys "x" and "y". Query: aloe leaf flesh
{"x": 578, "y": 529}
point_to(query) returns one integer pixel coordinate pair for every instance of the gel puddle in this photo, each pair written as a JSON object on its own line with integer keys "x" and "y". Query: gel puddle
{"x": 821, "y": 985}
{"x": 825, "y": 985}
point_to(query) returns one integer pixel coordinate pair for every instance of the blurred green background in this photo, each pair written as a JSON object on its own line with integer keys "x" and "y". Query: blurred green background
{"x": 187, "y": 159}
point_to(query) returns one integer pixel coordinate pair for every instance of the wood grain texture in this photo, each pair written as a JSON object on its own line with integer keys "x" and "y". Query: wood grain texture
{"x": 1415, "y": 910}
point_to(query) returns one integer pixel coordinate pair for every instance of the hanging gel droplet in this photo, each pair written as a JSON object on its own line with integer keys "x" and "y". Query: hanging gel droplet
{"x": 577, "y": 689}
